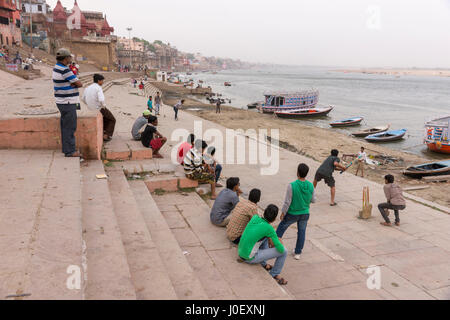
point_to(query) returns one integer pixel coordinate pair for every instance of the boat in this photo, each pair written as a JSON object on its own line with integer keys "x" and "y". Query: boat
{"x": 289, "y": 101}
{"x": 347, "y": 122}
{"x": 368, "y": 132}
{"x": 227, "y": 84}
{"x": 254, "y": 105}
{"x": 428, "y": 169}
{"x": 437, "y": 135}
{"x": 304, "y": 113}
{"x": 387, "y": 136}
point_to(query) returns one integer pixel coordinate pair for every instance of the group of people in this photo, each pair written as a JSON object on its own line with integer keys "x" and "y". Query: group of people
{"x": 66, "y": 89}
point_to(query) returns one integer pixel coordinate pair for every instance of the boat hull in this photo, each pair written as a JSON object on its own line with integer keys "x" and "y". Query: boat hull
{"x": 365, "y": 133}
{"x": 309, "y": 113}
{"x": 435, "y": 147}
{"x": 393, "y": 137}
{"x": 346, "y": 124}
{"x": 428, "y": 170}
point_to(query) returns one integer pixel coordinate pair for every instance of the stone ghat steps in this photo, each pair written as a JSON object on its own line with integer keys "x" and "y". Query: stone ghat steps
{"x": 211, "y": 255}
{"x": 121, "y": 149}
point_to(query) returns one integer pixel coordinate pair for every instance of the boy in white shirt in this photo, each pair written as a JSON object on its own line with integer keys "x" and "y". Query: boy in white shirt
{"x": 361, "y": 157}
{"x": 95, "y": 99}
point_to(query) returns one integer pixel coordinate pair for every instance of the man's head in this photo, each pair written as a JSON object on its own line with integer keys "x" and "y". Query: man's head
{"x": 182, "y": 101}
{"x": 389, "y": 179}
{"x": 153, "y": 120}
{"x": 150, "y": 97}
{"x": 146, "y": 114}
{"x": 271, "y": 213}
{"x": 191, "y": 139}
{"x": 255, "y": 195}
{"x": 64, "y": 56}
{"x": 211, "y": 151}
{"x": 99, "y": 79}
{"x": 233, "y": 183}
{"x": 201, "y": 145}
{"x": 334, "y": 152}
{"x": 362, "y": 149}
{"x": 302, "y": 171}
{"x": 157, "y": 93}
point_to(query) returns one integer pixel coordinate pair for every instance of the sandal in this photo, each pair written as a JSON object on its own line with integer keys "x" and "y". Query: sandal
{"x": 386, "y": 224}
{"x": 333, "y": 204}
{"x": 280, "y": 281}
{"x": 268, "y": 267}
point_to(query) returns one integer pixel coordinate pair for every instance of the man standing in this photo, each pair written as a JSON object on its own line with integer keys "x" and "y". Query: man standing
{"x": 299, "y": 196}
{"x": 325, "y": 172}
{"x": 176, "y": 107}
{"x": 95, "y": 99}
{"x": 67, "y": 98}
{"x": 395, "y": 201}
{"x": 361, "y": 158}
{"x": 157, "y": 103}
{"x": 218, "y": 105}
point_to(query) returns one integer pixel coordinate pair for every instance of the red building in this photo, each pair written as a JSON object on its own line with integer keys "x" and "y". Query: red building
{"x": 77, "y": 23}
{"x": 10, "y": 22}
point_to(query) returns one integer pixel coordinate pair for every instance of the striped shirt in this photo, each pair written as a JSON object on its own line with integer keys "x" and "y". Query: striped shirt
{"x": 63, "y": 77}
{"x": 193, "y": 161}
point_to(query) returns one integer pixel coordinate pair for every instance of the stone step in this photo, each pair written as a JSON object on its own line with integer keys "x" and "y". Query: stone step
{"x": 212, "y": 255}
{"x": 147, "y": 269}
{"x": 186, "y": 284}
{"x": 108, "y": 274}
{"x": 120, "y": 148}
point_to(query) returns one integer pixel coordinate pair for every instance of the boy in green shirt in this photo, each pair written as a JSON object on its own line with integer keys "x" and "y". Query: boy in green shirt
{"x": 299, "y": 196}
{"x": 254, "y": 244}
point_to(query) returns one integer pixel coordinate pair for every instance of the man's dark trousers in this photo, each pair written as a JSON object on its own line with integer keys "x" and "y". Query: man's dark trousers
{"x": 68, "y": 127}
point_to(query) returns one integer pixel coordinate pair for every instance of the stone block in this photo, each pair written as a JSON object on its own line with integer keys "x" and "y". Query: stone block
{"x": 166, "y": 184}
{"x": 185, "y": 183}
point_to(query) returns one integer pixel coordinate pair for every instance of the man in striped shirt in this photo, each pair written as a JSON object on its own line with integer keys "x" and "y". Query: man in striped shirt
{"x": 197, "y": 169}
{"x": 67, "y": 98}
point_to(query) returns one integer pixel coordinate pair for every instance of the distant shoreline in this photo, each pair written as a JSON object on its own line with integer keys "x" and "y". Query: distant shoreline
{"x": 399, "y": 72}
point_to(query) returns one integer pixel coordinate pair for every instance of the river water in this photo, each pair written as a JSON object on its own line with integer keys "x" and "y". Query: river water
{"x": 404, "y": 102}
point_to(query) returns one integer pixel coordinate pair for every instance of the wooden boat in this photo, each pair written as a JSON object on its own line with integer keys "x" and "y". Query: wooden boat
{"x": 437, "y": 135}
{"x": 347, "y": 122}
{"x": 368, "y": 132}
{"x": 304, "y": 113}
{"x": 289, "y": 101}
{"x": 387, "y": 136}
{"x": 428, "y": 169}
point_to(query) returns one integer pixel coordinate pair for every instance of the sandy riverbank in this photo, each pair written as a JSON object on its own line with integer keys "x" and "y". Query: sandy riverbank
{"x": 317, "y": 143}
{"x": 400, "y": 72}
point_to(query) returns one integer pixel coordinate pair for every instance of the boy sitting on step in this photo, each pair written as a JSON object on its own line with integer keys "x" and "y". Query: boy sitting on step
{"x": 151, "y": 138}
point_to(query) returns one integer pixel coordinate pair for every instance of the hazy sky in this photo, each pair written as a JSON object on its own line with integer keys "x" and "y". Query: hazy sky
{"x": 371, "y": 33}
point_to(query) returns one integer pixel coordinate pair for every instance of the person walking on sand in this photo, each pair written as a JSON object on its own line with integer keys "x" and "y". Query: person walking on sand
{"x": 157, "y": 103}
{"x": 177, "y": 107}
{"x": 218, "y": 103}
{"x": 395, "y": 201}
{"x": 150, "y": 103}
{"x": 361, "y": 158}
{"x": 67, "y": 97}
{"x": 299, "y": 196}
{"x": 95, "y": 99}
{"x": 325, "y": 172}
{"x": 151, "y": 138}
{"x": 260, "y": 243}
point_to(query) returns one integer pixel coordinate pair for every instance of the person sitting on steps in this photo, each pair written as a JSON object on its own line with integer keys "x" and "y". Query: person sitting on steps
{"x": 151, "y": 138}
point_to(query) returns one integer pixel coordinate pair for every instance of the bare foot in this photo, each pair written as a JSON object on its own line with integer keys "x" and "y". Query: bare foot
{"x": 213, "y": 197}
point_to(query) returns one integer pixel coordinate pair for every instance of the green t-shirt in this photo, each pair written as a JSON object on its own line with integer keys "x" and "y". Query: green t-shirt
{"x": 256, "y": 231}
{"x": 302, "y": 193}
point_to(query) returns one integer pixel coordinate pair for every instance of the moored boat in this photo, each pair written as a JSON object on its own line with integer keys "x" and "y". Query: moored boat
{"x": 428, "y": 169}
{"x": 437, "y": 136}
{"x": 368, "y": 132}
{"x": 304, "y": 113}
{"x": 347, "y": 122}
{"x": 227, "y": 84}
{"x": 387, "y": 136}
{"x": 288, "y": 101}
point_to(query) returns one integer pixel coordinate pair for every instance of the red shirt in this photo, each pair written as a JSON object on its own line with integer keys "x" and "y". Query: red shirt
{"x": 182, "y": 151}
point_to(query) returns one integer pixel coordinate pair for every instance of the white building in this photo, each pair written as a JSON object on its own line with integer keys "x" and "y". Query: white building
{"x": 37, "y": 6}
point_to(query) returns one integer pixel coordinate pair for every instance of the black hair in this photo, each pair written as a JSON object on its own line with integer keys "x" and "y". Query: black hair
{"x": 182, "y": 101}
{"x": 212, "y": 151}
{"x": 302, "y": 170}
{"x": 191, "y": 138}
{"x": 152, "y": 119}
{"x": 334, "y": 152}
{"x": 389, "y": 178}
{"x": 200, "y": 144}
{"x": 363, "y": 148}
{"x": 98, "y": 77}
{"x": 232, "y": 182}
{"x": 59, "y": 59}
{"x": 271, "y": 213}
{"x": 255, "y": 195}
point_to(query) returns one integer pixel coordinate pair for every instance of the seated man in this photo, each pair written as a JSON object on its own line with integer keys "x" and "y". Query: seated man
{"x": 395, "y": 201}
{"x": 217, "y": 167}
{"x": 197, "y": 169}
{"x": 151, "y": 138}
{"x": 242, "y": 214}
{"x": 184, "y": 148}
{"x": 139, "y": 124}
{"x": 254, "y": 244}
{"x": 226, "y": 201}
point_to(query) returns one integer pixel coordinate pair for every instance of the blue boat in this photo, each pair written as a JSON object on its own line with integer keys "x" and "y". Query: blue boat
{"x": 387, "y": 136}
{"x": 347, "y": 122}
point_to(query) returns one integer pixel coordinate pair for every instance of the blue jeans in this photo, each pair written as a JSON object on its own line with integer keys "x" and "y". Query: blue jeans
{"x": 218, "y": 172}
{"x": 302, "y": 222}
{"x": 265, "y": 253}
{"x": 176, "y": 113}
{"x": 68, "y": 124}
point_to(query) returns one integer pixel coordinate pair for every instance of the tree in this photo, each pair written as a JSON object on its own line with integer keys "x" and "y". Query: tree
{"x": 158, "y": 42}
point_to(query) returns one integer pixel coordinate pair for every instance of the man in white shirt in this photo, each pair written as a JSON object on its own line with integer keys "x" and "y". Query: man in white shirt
{"x": 362, "y": 157}
{"x": 95, "y": 99}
